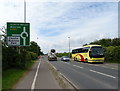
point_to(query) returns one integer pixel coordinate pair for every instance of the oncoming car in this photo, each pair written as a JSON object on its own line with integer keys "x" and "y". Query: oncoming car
{"x": 65, "y": 58}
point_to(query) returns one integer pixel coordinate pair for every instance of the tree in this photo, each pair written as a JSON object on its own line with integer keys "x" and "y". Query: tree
{"x": 34, "y": 47}
{"x": 115, "y": 42}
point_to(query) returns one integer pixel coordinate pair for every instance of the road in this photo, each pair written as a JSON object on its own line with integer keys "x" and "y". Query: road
{"x": 89, "y": 76}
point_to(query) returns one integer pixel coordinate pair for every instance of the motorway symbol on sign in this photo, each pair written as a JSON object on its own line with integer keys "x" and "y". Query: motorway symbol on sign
{"x": 18, "y": 31}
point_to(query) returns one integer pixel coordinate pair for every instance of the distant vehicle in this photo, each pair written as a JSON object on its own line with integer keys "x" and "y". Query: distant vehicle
{"x": 52, "y": 55}
{"x": 88, "y": 53}
{"x": 65, "y": 58}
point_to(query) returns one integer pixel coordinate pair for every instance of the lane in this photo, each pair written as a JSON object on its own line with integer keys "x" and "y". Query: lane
{"x": 84, "y": 78}
{"x": 97, "y": 67}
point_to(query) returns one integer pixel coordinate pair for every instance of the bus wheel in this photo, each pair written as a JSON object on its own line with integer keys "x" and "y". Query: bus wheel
{"x": 86, "y": 60}
{"x": 76, "y": 60}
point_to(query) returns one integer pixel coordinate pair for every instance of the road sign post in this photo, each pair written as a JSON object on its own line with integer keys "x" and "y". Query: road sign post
{"x": 18, "y": 34}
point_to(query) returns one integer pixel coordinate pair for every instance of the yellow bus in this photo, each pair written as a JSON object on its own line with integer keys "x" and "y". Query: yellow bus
{"x": 88, "y": 53}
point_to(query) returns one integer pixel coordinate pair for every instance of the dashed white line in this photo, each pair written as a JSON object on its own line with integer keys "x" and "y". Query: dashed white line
{"x": 96, "y": 65}
{"x": 103, "y": 74}
{"x": 67, "y": 63}
{"x": 64, "y": 62}
{"x": 34, "y": 80}
{"x": 114, "y": 68}
{"x": 77, "y": 66}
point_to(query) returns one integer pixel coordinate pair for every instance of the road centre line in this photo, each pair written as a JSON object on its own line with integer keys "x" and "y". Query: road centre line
{"x": 103, "y": 74}
{"x": 64, "y": 62}
{"x": 77, "y": 66}
{"x": 35, "y": 77}
{"x": 96, "y": 65}
{"x": 114, "y": 68}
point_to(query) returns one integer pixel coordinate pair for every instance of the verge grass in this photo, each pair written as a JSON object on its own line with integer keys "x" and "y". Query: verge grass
{"x": 11, "y": 76}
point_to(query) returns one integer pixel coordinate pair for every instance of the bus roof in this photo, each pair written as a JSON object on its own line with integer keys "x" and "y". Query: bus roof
{"x": 85, "y": 46}
{"x": 91, "y": 45}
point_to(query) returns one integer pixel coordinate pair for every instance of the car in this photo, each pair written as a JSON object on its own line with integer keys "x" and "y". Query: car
{"x": 65, "y": 58}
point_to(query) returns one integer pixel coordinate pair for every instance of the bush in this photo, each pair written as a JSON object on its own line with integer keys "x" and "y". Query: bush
{"x": 63, "y": 54}
{"x": 12, "y": 59}
{"x": 33, "y": 55}
{"x": 112, "y": 54}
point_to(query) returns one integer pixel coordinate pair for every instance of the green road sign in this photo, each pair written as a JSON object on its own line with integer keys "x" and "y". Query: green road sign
{"x": 18, "y": 34}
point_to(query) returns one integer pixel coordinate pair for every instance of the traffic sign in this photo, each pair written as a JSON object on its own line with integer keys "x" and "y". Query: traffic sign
{"x": 18, "y": 34}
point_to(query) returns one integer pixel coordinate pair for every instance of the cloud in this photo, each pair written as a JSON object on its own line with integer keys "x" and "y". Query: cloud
{"x": 53, "y": 22}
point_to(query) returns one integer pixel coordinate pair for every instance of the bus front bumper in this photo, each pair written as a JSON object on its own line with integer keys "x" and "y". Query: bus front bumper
{"x": 96, "y": 60}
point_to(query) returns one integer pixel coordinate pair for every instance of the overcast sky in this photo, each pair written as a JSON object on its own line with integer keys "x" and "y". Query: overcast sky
{"x": 53, "y": 21}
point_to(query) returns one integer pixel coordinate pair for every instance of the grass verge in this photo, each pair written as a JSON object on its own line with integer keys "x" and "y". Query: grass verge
{"x": 11, "y": 76}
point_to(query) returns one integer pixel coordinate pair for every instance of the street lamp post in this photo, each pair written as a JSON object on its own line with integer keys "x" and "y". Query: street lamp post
{"x": 69, "y": 46}
{"x": 25, "y": 11}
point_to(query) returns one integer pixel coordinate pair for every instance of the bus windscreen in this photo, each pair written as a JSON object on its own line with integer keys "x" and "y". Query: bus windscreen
{"x": 96, "y": 52}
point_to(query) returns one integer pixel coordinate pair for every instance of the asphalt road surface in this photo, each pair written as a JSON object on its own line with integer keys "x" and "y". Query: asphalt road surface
{"x": 89, "y": 76}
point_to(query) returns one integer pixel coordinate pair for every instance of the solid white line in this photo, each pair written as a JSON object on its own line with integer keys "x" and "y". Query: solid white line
{"x": 103, "y": 74}
{"x": 77, "y": 66}
{"x": 33, "y": 84}
{"x": 52, "y": 65}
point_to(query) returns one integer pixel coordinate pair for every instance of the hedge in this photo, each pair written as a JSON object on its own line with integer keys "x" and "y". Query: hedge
{"x": 12, "y": 59}
{"x": 112, "y": 54}
{"x": 63, "y": 54}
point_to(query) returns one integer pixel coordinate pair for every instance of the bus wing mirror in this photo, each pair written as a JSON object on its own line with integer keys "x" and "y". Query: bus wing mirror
{"x": 89, "y": 51}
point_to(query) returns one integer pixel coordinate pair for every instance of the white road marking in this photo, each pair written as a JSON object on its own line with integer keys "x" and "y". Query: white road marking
{"x": 114, "y": 68}
{"x": 52, "y": 65}
{"x": 36, "y": 74}
{"x": 77, "y": 66}
{"x": 64, "y": 76}
{"x": 69, "y": 81}
{"x": 103, "y": 74}
{"x": 96, "y": 65}
{"x": 66, "y": 62}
